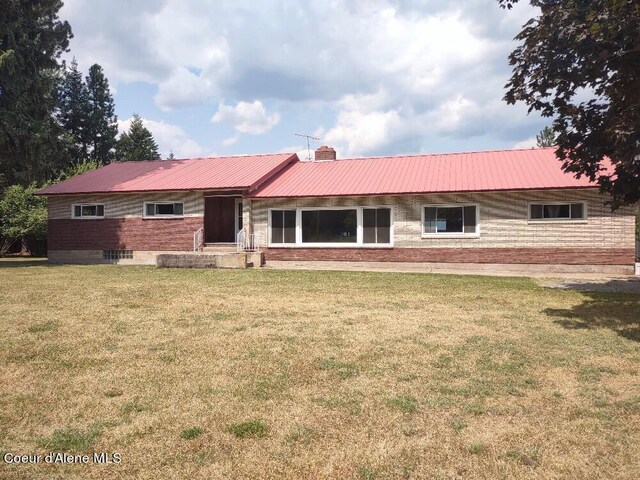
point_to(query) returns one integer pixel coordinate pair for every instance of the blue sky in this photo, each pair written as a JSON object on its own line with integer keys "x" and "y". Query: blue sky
{"x": 374, "y": 77}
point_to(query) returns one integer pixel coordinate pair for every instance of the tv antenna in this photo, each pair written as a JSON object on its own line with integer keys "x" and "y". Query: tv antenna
{"x": 309, "y": 138}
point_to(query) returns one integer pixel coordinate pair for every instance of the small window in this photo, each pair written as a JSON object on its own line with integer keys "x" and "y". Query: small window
{"x": 117, "y": 254}
{"x": 556, "y": 211}
{"x": 283, "y": 226}
{"x": 93, "y": 210}
{"x": 239, "y": 218}
{"x": 376, "y": 225}
{"x": 461, "y": 219}
{"x": 164, "y": 209}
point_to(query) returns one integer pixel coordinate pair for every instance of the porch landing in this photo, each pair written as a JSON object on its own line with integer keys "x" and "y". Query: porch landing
{"x": 217, "y": 259}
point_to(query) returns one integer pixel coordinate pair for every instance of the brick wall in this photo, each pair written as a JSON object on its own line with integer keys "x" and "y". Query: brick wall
{"x": 123, "y": 227}
{"x": 565, "y": 256}
{"x": 123, "y": 234}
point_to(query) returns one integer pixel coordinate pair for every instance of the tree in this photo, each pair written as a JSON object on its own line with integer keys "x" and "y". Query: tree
{"x": 137, "y": 143}
{"x": 32, "y": 38}
{"x": 102, "y": 126}
{"x": 86, "y": 112}
{"x": 23, "y": 217}
{"x": 171, "y": 156}
{"x": 73, "y": 113}
{"x": 546, "y": 138}
{"x": 579, "y": 62}
{"x": 78, "y": 169}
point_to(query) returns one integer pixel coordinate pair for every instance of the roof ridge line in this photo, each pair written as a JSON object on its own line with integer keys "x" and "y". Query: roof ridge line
{"x": 412, "y": 155}
{"x": 204, "y": 158}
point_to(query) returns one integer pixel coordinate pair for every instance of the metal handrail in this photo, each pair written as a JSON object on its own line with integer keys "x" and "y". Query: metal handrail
{"x": 198, "y": 239}
{"x": 249, "y": 242}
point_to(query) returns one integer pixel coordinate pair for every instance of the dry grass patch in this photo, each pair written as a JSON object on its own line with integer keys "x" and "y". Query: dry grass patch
{"x": 277, "y": 374}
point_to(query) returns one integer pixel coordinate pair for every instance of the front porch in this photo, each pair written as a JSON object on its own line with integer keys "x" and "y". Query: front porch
{"x": 228, "y": 260}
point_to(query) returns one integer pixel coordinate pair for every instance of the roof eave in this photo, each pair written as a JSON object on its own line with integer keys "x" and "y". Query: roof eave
{"x": 380, "y": 194}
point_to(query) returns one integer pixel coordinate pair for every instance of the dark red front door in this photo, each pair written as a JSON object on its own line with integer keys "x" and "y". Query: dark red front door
{"x": 219, "y": 219}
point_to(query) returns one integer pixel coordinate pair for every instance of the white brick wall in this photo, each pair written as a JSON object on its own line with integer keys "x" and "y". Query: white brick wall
{"x": 123, "y": 205}
{"x": 503, "y": 219}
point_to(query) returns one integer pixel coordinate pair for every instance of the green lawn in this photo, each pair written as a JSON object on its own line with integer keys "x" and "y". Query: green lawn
{"x": 295, "y": 374}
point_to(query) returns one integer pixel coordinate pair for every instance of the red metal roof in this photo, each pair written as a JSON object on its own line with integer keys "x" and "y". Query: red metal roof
{"x": 530, "y": 169}
{"x": 239, "y": 172}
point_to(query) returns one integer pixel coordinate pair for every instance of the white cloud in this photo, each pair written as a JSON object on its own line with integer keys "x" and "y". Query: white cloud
{"x": 245, "y": 117}
{"x": 227, "y": 142}
{"x": 527, "y": 143}
{"x": 357, "y": 133}
{"x": 391, "y": 74}
{"x": 170, "y": 138}
{"x": 183, "y": 89}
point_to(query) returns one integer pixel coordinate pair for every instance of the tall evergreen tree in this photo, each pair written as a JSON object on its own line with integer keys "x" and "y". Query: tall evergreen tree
{"x": 546, "y": 138}
{"x": 102, "y": 126}
{"x": 73, "y": 113}
{"x": 137, "y": 143}
{"x": 32, "y": 38}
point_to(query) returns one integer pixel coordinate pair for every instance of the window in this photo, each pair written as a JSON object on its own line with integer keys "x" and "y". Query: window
{"x": 117, "y": 254}
{"x": 163, "y": 209}
{"x": 330, "y": 226}
{"x": 376, "y": 225}
{"x": 93, "y": 210}
{"x": 557, "y": 211}
{"x": 239, "y": 220}
{"x": 283, "y": 226}
{"x": 450, "y": 219}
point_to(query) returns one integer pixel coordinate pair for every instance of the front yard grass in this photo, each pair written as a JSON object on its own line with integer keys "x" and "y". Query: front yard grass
{"x": 297, "y": 374}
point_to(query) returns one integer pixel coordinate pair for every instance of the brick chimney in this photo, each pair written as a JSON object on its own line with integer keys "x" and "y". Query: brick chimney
{"x": 325, "y": 153}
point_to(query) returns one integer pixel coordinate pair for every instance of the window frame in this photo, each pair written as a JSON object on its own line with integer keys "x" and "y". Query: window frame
{"x": 367, "y": 244}
{"x": 162, "y": 202}
{"x": 86, "y": 217}
{"x": 239, "y": 215}
{"x": 270, "y": 242}
{"x": 583, "y": 219}
{"x": 359, "y": 228}
{"x": 425, "y": 235}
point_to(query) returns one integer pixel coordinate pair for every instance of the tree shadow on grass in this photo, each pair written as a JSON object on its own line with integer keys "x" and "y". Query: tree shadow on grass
{"x": 21, "y": 262}
{"x": 619, "y": 312}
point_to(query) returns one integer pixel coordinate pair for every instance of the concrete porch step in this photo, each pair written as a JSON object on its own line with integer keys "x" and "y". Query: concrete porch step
{"x": 210, "y": 260}
{"x": 220, "y": 247}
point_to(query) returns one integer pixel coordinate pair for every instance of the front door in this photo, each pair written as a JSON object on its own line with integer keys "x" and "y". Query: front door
{"x": 220, "y": 219}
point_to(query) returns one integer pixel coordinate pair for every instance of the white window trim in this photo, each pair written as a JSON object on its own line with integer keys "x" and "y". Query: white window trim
{"x": 557, "y": 220}
{"x": 86, "y": 217}
{"x": 269, "y": 241}
{"x": 359, "y": 230}
{"x": 235, "y": 209}
{"x": 153, "y": 217}
{"x": 475, "y": 234}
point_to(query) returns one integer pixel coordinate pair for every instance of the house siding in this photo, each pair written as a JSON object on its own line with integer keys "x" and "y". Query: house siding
{"x": 506, "y": 234}
{"x": 124, "y": 205}
{"x": 123, "y": 226}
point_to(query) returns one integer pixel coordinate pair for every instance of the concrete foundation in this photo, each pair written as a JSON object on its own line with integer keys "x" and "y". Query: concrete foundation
{"x": 202, "y": 260}
{"x": 207, "y": 259}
